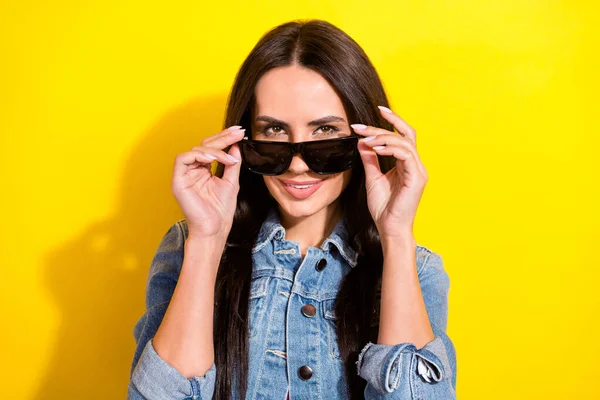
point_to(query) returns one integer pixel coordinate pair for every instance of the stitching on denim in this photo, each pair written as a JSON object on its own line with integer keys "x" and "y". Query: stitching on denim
{"x": 313, "y": 296}
{"x": 414, "y": 383}
{"x": 269, "y": 325}
{"x": 195, "y": 388}
{"x": 276, "y": 272}
{"x": 331, "y": 334}
{"x": 263, "y": 294}
{"x": 424, "y": 263}
{"x": 259, "y": 291}
{"x": 318, "y": 366}
{"x": 285, "y": 251}
{"x": 352, "y": 260}
{"x": 266, "y": 240}
{"x": 397, "y": 372}
{"x": 360, "y": 357}
{"x": 287, "y": 338}
{"x": 394, "y": 359}
{"x": 278, "y": 353}
{"x": 394, "y": 371}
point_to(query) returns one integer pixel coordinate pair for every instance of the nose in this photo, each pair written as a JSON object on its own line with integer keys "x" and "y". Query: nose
{"x": 298, "y": 166}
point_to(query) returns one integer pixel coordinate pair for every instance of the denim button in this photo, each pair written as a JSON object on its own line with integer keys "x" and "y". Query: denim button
{"x": 321, "y": 264}
{"x": 308, "y": 310}
{"x": 305, "y": 372}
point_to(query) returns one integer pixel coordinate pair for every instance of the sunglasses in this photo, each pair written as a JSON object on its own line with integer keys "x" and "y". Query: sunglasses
{"x": 328, "y": 156}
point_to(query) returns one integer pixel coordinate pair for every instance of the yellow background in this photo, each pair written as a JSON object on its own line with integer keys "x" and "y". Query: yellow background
{"x": 98, "y": 97}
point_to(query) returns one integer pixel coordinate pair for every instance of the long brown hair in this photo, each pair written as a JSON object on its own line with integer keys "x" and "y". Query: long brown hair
{"x": 324, "y": 48}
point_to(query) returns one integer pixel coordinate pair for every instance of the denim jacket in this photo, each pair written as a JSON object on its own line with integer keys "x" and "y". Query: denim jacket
{"x": 292, "y": 336}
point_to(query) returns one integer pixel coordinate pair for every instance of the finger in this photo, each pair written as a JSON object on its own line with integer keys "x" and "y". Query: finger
{"x": 231, "y": 173}
{"x": 411, "y": 164}
{"x": 373, "y": 134}
{"x": 224, "y": 132}
{"x": 387, "y": 138}
{"x": 401, "y": 125}
{"x": 391, "y": 140}
{"x": 225, "y": 140}
{"x": 184, "y": 161}
{"x": 370, "y": 162}
{"x": 395, "y": 140}
{"x": 199, "y": 158}
{"x": 367, "y": 130}
{"x": 216, "y": 154}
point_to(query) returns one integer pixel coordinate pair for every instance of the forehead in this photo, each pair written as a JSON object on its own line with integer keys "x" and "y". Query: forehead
{"x": 295, "y": 93}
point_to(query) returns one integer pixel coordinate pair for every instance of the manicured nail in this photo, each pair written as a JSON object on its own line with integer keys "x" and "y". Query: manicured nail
{"x": 387, "y": 110}
{"x": 358, "y": 127}
{"x": 232, "y": 158}
{"x": 369, "y": 138}
{"x": 210, "y": 156}
{"x": 378, "y": 147}
{"x": 234, "y": 127}
{"x": 237, "y": 132}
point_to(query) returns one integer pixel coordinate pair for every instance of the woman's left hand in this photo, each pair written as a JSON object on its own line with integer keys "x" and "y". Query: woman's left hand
{"x": 393, "y": 197}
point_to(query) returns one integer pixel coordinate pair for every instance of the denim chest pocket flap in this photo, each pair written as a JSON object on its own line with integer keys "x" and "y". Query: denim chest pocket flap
{"x": 259, "y": 286}
{"x": 328, "y": 307}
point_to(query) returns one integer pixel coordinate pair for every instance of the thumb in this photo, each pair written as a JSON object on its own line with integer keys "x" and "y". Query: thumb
{"x": 231, "y": 173}
{"x": 370, "y": 162}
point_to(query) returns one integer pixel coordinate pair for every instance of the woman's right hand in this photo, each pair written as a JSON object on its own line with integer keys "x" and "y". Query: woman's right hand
{"x": 208, "y": 202}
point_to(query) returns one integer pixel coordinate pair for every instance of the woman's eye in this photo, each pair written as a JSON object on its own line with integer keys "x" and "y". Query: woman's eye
{"x": 328, "y": 129}
{"x": 272, "y": 130}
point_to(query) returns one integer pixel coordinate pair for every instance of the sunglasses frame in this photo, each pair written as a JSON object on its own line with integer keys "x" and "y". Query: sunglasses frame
{"x": 298, "y": 148}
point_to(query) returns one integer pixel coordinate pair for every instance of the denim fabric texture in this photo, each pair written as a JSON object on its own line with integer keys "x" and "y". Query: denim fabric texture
{"x": 292, "y": 326}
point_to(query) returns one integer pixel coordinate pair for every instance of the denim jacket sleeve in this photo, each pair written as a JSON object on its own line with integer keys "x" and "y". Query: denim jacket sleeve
{"x": 404, "y": 372}
{"x": 151, "y": 377}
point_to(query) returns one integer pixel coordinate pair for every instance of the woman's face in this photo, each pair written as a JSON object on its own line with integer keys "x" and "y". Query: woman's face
{"x": 296, "y": 104}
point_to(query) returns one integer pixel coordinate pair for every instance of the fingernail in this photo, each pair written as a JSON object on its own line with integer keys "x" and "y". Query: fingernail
{"x": 210, "y": 156}
{"x": 358, "y": 126}
{"x": 232, "y": 158}
{"x": 234, "y": 127}
{"x": 369, "y": 138}
{"x": 378, "y": 147}
{"x": 387, "y": 110}
{"x": 237, "y": 132}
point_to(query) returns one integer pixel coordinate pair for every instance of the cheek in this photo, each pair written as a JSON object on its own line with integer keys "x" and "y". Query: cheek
{"x": 270, "y": 183}
{"x": 338, "y": 183}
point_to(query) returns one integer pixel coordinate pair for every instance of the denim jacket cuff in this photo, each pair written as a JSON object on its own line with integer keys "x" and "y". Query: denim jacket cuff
{"x": 382, "y": 365}
{"x": 154, "y": 378}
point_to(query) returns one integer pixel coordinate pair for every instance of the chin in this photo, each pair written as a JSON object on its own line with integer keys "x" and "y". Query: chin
{"x": 301, "y": 208}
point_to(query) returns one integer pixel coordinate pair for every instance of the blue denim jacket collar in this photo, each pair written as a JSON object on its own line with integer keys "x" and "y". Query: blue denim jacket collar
{"x": 272, "y": 229}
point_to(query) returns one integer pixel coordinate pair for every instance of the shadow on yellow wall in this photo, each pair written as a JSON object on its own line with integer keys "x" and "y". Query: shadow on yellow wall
{"x": 98, "y": 278}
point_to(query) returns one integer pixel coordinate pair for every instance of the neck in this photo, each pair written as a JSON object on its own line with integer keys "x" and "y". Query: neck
{"x": 311, "y": 231}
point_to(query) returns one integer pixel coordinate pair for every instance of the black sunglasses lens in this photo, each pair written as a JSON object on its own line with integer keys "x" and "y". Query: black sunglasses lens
{"x": 332, "y": 155}
{"x": 266, "y": 158}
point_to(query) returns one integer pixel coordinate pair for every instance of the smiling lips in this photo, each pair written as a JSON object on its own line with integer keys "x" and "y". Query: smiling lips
{"x": 301, "y": 189}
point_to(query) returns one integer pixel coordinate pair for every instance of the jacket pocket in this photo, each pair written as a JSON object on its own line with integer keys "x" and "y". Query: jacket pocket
{"x": 259, "y": 286}
{"x": 330, "y": 320}
{"x": 256, "y": 305}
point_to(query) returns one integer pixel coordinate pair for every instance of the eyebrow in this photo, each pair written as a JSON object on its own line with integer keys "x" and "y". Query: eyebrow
{"x": 316, "y": 122}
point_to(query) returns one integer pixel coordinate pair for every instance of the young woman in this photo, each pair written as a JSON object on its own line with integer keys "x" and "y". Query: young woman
{"x": 295, "y": 273}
